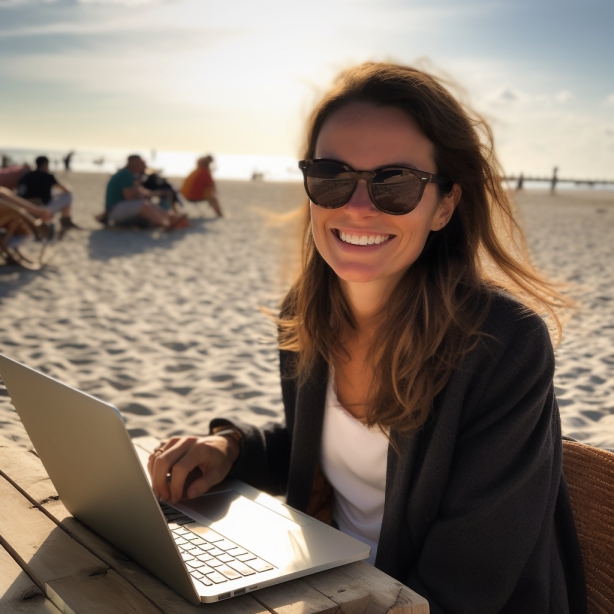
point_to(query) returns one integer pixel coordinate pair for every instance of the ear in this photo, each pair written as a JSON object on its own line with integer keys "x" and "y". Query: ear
{"x": 446, "y": 207}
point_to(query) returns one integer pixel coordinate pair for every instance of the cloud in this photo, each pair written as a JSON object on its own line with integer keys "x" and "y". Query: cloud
{"x": 506, "y": 96}
{"x": 564, "y": 96}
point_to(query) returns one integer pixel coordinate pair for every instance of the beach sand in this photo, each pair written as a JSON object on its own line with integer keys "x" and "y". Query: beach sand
{"x": 167, "y": 326}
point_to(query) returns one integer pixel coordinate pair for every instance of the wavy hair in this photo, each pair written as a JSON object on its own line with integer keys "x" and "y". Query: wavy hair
{"x": 433, "y": 315}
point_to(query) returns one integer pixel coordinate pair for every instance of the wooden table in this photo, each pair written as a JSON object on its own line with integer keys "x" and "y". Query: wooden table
{"x": 50, "y": 562}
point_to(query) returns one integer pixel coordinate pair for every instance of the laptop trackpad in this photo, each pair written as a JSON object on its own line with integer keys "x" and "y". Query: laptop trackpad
{"x": 229, "y": 508}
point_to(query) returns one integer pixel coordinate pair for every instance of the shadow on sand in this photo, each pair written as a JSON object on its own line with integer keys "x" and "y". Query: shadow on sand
{"x": 105, "y": 244}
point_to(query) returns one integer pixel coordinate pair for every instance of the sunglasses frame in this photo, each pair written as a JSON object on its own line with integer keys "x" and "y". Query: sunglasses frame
{"x": 368, "y": 176}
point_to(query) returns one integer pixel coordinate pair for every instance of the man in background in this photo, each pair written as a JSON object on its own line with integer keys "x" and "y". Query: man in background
{"x": 199, "y": 184}
{"x": 36, "y": 187}
{"x": 127, "y": 199}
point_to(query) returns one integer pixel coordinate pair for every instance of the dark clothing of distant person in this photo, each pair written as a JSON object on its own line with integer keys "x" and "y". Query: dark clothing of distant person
{"x": 36, "y": 184}
{"x": 477, "y": 516}
{"x": 67, "y": 160}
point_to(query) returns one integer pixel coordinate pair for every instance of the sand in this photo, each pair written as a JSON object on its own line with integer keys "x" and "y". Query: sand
{"x": 167, "y": 326}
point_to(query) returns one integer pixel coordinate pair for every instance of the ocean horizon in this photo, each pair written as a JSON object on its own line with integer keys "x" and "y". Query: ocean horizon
{"x": 226, "y": 166}
{"x": 169, "y": 163}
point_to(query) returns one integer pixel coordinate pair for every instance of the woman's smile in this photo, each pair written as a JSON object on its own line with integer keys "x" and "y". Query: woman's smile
{"x": 361, "y": 238}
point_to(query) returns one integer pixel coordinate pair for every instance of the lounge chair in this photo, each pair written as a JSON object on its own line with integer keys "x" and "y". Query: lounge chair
{"x": 589, "y": 473}
{"x": 23, "y": 237}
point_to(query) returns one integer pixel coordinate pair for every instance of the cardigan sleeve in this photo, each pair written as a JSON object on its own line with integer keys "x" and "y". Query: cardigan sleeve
{"x": 265, "y": 452}
{"x": 495, "y": 522}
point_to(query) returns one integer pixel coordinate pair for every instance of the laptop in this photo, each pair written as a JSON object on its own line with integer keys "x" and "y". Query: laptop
{"x": 233, "y": 540}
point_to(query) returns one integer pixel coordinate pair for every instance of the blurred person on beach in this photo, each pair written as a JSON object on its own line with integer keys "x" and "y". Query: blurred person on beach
{"x": 43, "y": 213}
{"x": 67, "y": 160}
{"x": 37, "y": 185}
{"x": 199, "y": 185}
{"x": 168, "y": 197}
{"x": 127, "y": 200}
{"x": 18, "y": 226}
{"x": 416, "y": 373}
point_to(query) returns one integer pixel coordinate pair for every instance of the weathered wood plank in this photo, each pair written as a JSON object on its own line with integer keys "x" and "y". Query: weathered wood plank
{"x": 59, "y": 563}
{"x": 26, "y": 470}
{"x": 360, "y": 588}
{"x": 18, "y": 593}
{"x": 295, "y": 597}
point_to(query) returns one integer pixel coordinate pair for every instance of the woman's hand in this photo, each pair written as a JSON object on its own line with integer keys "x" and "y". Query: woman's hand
{"x": 213, "y": 455}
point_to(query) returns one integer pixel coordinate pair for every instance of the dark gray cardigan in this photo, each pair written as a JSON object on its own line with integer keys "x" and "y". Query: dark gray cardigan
{"x": 477, "y": 516}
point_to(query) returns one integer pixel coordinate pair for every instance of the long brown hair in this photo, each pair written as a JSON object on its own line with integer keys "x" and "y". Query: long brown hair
{"x": 433, "y": 315}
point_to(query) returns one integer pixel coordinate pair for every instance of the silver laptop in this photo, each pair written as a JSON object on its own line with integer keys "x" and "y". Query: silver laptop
{"x": 232, "y": 540}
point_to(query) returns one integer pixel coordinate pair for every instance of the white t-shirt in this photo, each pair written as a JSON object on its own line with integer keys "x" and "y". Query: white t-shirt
{"x": 353, "y": 460}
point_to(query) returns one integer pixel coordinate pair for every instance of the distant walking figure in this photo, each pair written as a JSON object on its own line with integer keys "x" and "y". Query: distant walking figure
{"x": 554, "y": 180}
{"x": 199, "y": 185}
{"x": 67, "y": 158}
{"x": 36, "y": 186}
{"x": 520, "y": 182}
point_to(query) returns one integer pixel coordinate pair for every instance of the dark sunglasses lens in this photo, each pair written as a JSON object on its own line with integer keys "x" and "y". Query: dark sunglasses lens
{"x": 329, "y": 185}
{"x": 396, "y": 190}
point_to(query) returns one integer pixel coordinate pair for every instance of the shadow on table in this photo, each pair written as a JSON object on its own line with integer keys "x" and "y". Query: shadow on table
{"x": 108, "y": 243}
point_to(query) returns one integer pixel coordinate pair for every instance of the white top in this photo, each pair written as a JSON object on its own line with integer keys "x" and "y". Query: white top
{"x": 353, "y": 460}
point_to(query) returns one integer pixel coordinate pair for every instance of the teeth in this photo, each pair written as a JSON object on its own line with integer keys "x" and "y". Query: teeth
{"x": 363, "y": 239}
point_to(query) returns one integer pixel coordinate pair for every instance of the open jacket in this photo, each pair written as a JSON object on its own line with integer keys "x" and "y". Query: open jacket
{"x": 477, "y": 517}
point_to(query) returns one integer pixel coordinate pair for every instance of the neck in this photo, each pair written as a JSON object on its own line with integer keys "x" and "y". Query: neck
{"x": 366, "y": 301}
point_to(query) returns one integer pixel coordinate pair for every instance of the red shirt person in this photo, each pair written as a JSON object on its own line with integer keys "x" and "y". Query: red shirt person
{"x": 199, "y": 184}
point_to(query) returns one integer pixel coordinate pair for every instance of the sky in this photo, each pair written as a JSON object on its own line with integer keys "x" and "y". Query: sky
{"x": 241, "y": 76}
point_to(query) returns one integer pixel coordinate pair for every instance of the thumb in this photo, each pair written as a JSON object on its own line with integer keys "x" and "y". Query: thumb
{"x": 201, "y": 485}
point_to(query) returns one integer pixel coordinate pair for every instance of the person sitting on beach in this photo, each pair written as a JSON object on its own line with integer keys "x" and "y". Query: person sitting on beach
{"x": 43, "y": 213}
{"x": 199, "y": 185}
{"x": 36, "y": 187}
{"x": 416, "y": 373}
{"x": 153, "y": 180}
{"x": 127, "y": 200}
{"x": 23, "y": 228}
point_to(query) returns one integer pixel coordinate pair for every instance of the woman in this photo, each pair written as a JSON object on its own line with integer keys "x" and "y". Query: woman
{"x": 416, "y": 380}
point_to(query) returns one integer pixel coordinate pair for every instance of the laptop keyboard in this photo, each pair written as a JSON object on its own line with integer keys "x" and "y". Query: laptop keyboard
{"x": 209, "y": 556}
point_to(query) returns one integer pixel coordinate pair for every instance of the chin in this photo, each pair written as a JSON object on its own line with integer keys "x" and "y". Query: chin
{"x": 357, "y": 274}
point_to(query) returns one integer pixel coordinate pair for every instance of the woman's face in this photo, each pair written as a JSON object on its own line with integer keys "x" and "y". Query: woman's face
{"x": 367, "y": 137}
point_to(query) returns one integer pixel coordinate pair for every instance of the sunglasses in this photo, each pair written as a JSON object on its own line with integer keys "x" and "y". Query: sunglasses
{"x": 395, "y": 190}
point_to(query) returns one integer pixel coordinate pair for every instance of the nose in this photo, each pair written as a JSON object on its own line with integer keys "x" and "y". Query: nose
{"x": 360, "y": 205}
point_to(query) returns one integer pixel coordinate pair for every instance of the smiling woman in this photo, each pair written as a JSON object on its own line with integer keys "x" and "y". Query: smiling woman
{"x": 416, "y": 373}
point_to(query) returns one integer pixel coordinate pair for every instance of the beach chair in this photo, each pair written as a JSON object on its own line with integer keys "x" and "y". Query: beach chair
{"x": 589, "y": 473}
{"x": 23, "y": 237}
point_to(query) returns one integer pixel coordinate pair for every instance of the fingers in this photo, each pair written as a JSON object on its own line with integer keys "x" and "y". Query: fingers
{"x": 219, "y": 458}
{"x": 164, "y": 460}
{"x": 157, "y": 452}
{"x": 197, "y": 455}
{"x": 212, "y": 455}
{"x": 202, "y": 484}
